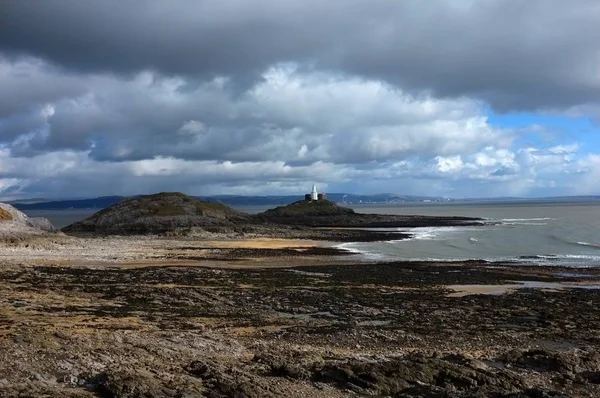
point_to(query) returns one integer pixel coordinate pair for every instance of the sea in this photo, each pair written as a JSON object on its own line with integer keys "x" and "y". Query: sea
{"x": 557, "y": 233}
{"x": 538, "y": 233}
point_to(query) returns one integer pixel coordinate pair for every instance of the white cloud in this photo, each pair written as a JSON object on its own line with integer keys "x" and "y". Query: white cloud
{"x": 147, "y": 132}
{"x": 449, "y": 164}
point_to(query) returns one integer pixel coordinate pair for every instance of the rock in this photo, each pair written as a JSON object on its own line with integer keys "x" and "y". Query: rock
{"x": 14, "y": 223}
{"x": 541, "y": 360}
{"x": 70, "y": 379}
{"x": 18, "y": 339}
{"x": 9, "y": 213}
{"x": 590, "y": 377}
{"x": 220, "y": 381}
{"x": 41, "y": 223}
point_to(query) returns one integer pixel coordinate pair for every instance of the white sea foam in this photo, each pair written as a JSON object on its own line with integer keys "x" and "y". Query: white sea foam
{"x": 527, "y": 219}
{"x": 348, "y": 247}
{"x": 524, "y": 223}
{"x": 507, "y": 238}
{"x": 588, "y": 244}
{"x": 432, "y": 233}
{"x": 365, "y": 254}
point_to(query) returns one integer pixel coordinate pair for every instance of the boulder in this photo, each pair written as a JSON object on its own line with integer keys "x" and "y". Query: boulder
{"x": 41, "y": 223}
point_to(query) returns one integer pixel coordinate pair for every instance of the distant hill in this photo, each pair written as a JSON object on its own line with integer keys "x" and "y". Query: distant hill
{"x": 282, "y": 200}
{"x": 230, "y": 200}
{"x": 157, "y": 214}
{"x": 93, "y": 203}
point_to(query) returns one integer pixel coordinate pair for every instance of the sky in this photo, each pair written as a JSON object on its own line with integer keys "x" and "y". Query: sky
{"x": 453, "y": 98}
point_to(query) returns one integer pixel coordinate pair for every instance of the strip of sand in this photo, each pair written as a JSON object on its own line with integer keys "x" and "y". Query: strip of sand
{"x": 262, "y": 243}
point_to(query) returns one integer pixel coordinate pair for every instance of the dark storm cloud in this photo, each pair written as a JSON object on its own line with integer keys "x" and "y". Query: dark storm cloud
{"x": 289, "y": 115}
{"x": 25, "y": 83}
{"x": 515, "y": 54}
{"x": 246, "y": 96}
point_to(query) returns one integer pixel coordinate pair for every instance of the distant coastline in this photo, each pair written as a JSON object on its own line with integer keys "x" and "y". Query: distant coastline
{"x": 99, "y": 203}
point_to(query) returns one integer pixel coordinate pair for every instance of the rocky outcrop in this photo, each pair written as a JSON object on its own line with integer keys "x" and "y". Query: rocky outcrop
{"x": 176, "y": 214}
{"x": 324, "y": 213}
{"x": 9, "y": 213}
{"x": 14, "y": 223}
{"x": 40, "y": 223}
{"x": 158, "y": 214}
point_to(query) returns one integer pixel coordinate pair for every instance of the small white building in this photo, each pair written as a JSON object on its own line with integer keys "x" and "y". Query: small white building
{"x": 314, "y": 195}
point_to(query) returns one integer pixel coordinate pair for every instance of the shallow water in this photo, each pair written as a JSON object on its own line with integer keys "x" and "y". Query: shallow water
{"x": 557, "y": 233}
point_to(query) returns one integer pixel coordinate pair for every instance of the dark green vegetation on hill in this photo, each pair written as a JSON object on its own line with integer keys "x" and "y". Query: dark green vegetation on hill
{"x": 309, "y": 208}
{"x": 158, "y": 213}
{"x": 324, "y": 213}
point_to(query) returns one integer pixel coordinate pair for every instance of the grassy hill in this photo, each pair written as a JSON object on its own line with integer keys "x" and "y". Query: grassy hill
{"x": 308, "y": 208}
{"x": 156, "y": 214}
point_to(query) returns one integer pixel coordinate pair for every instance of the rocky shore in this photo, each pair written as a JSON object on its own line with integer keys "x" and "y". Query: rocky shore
{"x": 268, "y": 318}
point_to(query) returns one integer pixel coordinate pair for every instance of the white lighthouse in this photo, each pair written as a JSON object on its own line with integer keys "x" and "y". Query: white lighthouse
{"x": 313, "y": 194}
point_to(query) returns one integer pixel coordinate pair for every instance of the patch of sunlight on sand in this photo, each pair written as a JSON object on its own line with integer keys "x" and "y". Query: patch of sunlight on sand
{"x": 466, "y": 290}
{"x": 262, "y": 243}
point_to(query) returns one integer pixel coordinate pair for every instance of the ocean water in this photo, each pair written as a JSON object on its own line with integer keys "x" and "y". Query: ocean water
{"x": 62, "y": 218}
{"x": 536, "y": 233}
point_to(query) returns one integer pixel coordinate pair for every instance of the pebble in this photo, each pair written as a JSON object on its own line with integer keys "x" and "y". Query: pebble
{"x": 70, "y": 379}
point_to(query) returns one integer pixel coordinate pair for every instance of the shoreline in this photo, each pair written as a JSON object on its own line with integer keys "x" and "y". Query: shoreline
{"x": 269, "y": 317}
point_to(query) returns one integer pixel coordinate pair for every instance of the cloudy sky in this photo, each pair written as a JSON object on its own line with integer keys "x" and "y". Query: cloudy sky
{"x": 457, "y": 98}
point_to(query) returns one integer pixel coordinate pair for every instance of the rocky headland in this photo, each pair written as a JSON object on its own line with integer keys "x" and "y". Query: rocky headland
{"x": 323, "y": 213}
{"x": 172, "y": 213}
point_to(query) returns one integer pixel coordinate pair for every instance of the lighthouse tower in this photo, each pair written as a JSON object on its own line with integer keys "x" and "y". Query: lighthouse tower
{"x": 313, "y": 194}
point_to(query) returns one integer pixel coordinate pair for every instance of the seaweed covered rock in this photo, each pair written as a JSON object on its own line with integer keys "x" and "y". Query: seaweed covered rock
{"x": 157, "y": 214}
